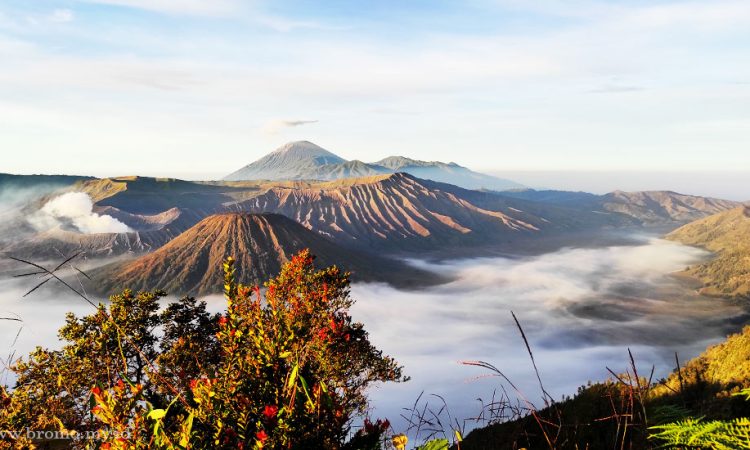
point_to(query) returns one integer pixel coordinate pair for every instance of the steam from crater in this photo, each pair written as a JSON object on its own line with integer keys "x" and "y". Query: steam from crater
{"x": 74, "y": 211}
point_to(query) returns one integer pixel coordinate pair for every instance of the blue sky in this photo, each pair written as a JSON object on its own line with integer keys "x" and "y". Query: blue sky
{"x": 198, "y": 88}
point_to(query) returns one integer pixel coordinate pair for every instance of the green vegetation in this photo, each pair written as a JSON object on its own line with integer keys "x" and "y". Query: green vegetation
{"x": 728, "y": 235}
{"x": 287, "y": 369}
{"x": 697, "y": 433}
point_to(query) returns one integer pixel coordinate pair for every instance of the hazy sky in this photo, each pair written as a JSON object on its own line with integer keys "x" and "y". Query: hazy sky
{"x": 195, "y": 88}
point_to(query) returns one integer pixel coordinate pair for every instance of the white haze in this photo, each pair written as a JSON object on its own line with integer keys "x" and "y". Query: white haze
{"x": 75, "y": 210}
{"x": 581, "y": 309}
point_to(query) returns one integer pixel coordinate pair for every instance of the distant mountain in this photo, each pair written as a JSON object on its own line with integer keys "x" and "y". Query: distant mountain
{"x": 664, "y": 206}
{"x": 450, "y": 173}
{"x": 647, "y": 207}
{"x": 304, "y": 160}
{"x": 261, "y": 243}
{"x": 728, "y": 235}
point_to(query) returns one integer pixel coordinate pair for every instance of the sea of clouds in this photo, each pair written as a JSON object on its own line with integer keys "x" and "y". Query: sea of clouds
{"x": 581, "y": 310}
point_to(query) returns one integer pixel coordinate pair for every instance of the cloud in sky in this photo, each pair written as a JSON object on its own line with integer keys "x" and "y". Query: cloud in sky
{"x": 276, "y": 126}
{"x": 616, "y": 89}
{"x": 177, "y": 7}
{"x": 62, "y": 16}
{"x": 472, "y": 78}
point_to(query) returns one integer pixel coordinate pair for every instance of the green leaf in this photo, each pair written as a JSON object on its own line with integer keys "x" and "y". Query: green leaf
{"x": 293, "y": 376}
{"x": 307, "y": 392}
{"x": 185, "y": 439}
{"x": 435, "y": 444}
{"x": 156, "y": 414}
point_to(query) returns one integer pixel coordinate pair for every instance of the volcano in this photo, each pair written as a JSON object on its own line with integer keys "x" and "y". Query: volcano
{"x": 261, "y": 244}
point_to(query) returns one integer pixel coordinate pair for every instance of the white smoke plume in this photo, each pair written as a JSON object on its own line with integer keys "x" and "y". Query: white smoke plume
{"x": 75, "y": 210}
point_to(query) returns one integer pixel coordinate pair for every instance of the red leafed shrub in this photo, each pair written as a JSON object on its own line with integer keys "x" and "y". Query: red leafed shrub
{"x": 283, "y": 367}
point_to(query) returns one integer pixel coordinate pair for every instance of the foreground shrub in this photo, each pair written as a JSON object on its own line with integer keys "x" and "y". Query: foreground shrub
{"x": 284, "y": 368}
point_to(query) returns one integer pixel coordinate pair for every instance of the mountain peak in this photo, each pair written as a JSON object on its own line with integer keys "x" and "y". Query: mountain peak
{"x": 303, "y": 150}
{"x": 301, "y": 146}
{"x": 303, "y": 160}
{"x": 291, "y": 161}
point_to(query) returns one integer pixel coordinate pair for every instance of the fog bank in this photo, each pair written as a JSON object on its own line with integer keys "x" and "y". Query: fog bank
{"x": 581, "y": 309}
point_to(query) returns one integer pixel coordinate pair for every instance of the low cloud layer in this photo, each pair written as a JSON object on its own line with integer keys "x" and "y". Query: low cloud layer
{"x": 580, "y": 308}
{"x": 75, "y": 211}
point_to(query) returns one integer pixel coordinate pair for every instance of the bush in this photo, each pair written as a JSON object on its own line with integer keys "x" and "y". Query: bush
{"x": 282, "y": 368}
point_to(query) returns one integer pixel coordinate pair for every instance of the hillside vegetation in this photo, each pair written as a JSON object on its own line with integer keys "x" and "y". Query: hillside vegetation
{"x": 728, "y": 235}
{"x": 625, "y": 411}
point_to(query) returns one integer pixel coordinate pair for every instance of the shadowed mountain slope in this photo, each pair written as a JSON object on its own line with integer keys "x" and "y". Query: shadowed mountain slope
{"x": 260, "y": 242}
{"x": 145, "y": 195}
{"x": 728, "y": 235}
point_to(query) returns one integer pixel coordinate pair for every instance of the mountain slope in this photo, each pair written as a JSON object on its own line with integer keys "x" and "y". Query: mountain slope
{"x": 146, "y": 195}
{"x": 261, "y": 243}
{"x": 728, "y": 235}
{"x": 402, "y": 212}
{"x": 646, "y": 207}
{"x": 446, "y": 173}
{"x": 663, "y": 206}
